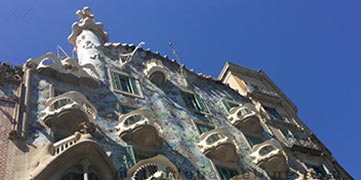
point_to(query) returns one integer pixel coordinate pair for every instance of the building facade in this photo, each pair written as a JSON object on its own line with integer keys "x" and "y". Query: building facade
{"x": 121, "y": 112}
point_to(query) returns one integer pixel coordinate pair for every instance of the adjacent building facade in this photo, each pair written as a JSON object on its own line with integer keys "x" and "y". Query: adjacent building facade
{"x": 121, "y": 112}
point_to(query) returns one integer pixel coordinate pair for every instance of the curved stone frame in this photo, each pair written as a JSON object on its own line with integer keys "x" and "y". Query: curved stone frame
{"x": 164, "y": 166}
{"x": 249, "y": 123}
{"x": 275, "y": 154}
{"x": 78, "y": 103}
{"x": 155, "y": 66}
{"x": 148, "y": 120}
{"x": 54, "y": 160}
{"x": 227, "y": 141}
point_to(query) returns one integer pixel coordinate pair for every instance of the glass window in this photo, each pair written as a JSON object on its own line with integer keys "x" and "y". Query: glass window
{"x": 126, "y": 109}
{"x": 228, "y": 105}
{"x": 194, "y": 101}
{"x": 253, "y": 140}
{"x": 202, "y": 128}
{"x": 125, "y": 84}
{"x": 321, "y": 171}
{"x": 273, "y": 113}
{"x": 226, "y": 173}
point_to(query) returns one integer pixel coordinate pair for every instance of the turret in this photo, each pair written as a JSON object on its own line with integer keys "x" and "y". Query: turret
{"x": 87, "y": 35}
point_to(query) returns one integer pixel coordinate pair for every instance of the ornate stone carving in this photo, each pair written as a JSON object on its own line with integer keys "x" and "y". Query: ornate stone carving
{"x": 86, "y": 21}
{"x": 67, "y": 70}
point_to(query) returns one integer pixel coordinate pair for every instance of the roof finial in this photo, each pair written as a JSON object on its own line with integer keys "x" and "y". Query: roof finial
{"x": 86, "y": 12}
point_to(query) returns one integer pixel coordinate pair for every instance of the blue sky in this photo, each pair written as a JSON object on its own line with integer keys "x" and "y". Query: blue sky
{"x": 310, "y": 48}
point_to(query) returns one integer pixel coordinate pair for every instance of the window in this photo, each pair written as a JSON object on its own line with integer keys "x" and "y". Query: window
{"x": 274, "y": 114}
{"x": 195, "y": 102}
{"x": 126, "y": 109}
{"x": 125, "y": 84}
{"x": 133, "y": 119}
{"x": 228, "y": 105}
{"x": 253, "y": 140}
{"x": 320, "y": 171}
{"x": 202, "y": 128}
{"x": 226, "y": 173}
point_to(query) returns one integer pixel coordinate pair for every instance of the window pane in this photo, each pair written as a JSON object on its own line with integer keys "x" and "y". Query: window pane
{"x": 226, "y": 105}
{"x": 189, "y": 100}
{"x": 124, "y": 83}
{"x": 226, "y": 173}
{"x": 253, "y": 140}
{"x": 201, "y": 106}
{"x": 133, "y": 86}
{"x": 203, "y": 128}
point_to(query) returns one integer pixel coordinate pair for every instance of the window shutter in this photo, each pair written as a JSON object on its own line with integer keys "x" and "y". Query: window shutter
{"x": 130, "y": 160}
{"x": 226, "y": 105}
{"x": 202, "y": 107}
{"x": 116, "y": 81}
{"x": 133, "y": 86}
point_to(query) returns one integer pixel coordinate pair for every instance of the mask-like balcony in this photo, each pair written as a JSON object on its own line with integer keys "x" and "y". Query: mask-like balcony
{"x": 155, "y": 72}
{"x": 64, "y": 113}
{"x": 66, "y": 70}
{"x": 270, "y": 156}
{"x": 49, "y": 161}
{"x": 245, "y": 118}
{"x": 140, "y": 128}
{"x": 219, "y": 144}
{"x": 155, "y": 168}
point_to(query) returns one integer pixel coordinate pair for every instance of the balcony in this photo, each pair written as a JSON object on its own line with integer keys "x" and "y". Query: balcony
{"x": 64, "y": 113}
{"x": 54, "y": 159}
{"x": 155, "y": 72}
{"x": 155, "y": 168}
{"x": 245, "y": 118}
{"x": 270, "y": 156}
{"x": 140, "y": 128}
{"x": 218, "y": 144}
{"x": 302, "y": 145}
{"x": 67, "y": 70}
{"x": 262, "y": 92}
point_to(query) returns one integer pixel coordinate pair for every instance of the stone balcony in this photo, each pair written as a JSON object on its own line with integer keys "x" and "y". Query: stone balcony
{"x": 260, "y": 92}
{"x": 302, "y": 145}
{"x": 155, "y": 72}
{"x": 67, "y": 70}
{"x": 155, "y": 168}
{"x": 218, "y": 144}
{"x": 270, "y": 156}
{"x": 64, "y": 113}
{"x": 54, "y": 159}
{"x": 245, "y": 118}
{"x": 141, "y": 129}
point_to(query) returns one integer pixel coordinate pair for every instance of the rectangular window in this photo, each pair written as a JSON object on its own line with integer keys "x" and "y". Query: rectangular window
{"x": 194, "y": 101}
{"x": 253, "y": 140}
{"x": 274, "y": 114}
{"x": 226, "y": 173}
{"x": 125, "y": 84}
{"x": 321, "y": 171}
{"x": 228, "y": 105}
{"x": 202, "y": 128}
{"x": 126, "y": 109}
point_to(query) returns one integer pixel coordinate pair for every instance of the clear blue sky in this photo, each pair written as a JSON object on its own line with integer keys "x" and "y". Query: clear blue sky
{"x": 311, "y": 48}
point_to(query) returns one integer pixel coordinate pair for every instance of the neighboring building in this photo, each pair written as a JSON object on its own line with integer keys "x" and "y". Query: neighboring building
{"x": 121, "y": 112}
